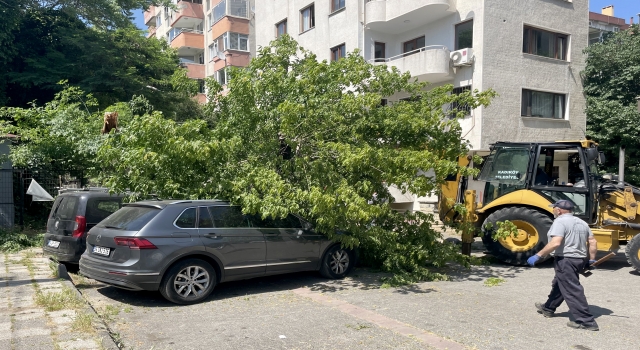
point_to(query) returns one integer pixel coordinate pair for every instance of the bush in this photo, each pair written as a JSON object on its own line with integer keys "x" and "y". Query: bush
{"x": 14, "y": 240}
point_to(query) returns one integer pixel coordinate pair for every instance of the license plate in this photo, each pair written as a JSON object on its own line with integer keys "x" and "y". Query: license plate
{"x": 101, "y": 251}
{"x": 53, "y": 244}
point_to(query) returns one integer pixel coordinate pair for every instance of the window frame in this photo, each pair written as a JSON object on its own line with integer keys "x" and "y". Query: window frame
{"x": 226, "y": 76}
{"x": 384, "y": 51}
{"x": 564, "y": 96}
{"x": 284, "y": 23}
{"x": 195, "y": 223}
{"x": 215, "y": 225}
{"x": 454, "y": 105}
{"x": 312, "y": 18}
{"x": 556, "y": 36}
{"x": 404, "y": 43}
{"x": 333, "y": 5}
{"x": 341, "y": 50}
{"x": 455, "y": 34}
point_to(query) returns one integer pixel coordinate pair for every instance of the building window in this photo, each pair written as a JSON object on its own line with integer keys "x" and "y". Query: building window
{"x": 209, "y": 21}
{"x": 222, "y": 76}
{"x": 213, "y": 51}
{"x": 543, "y": 104}
{"x": 235, "y": 41}
{"x": 201, "y": 86}
{"x": 281, "y": 28}
{"x": 166, "y": 13}
{"x": 219, "y": 11}
{"x": 338, "y": 52}
{"x": 158, "y": 21}
{"x": 464, "y": 35}
{"x": 457, "y": 106}
{"x": 337, "y": 5}
{"x": 412, "y": 45}
{"x": 544, "y": 43}
{"x": 307, "y": 19}
{"x": 379, "y": 52}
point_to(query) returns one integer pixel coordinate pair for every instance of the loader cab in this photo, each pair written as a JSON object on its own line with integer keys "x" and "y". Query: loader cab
{"x": 557, "y": 170}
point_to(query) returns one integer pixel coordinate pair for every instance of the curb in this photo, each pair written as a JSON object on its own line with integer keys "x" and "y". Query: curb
{"x": 104, "y": 333}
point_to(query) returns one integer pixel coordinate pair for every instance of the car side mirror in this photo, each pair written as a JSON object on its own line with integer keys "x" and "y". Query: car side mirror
{"x": 601, "y": 158}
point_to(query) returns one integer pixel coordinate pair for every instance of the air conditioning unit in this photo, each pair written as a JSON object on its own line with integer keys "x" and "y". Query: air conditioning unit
{"x": 463, "y": 57}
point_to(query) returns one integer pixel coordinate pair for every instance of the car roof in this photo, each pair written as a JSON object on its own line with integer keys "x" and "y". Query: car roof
{"x": 88, "y": 192}
{"x": 167, "y": 202}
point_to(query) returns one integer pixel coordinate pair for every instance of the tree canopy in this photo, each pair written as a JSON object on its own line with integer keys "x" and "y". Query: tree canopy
{"x": 91, "y": 44}
{"x": 292, "y": 135}
{"x": 612, "y": 84}
{"x": 295, "y": 135}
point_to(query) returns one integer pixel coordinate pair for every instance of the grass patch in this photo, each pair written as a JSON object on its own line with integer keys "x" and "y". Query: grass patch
{"x": 54, "y": 301}
{"x": 128, "y": 310}
{"x": 109, "y": 312}
{"x": 15, "y": 240}
{"x": 83, "y": 323}
{"x": 359, "y": 326}
{"x": 493, "y": 281}
{"x": 53, "y": 266}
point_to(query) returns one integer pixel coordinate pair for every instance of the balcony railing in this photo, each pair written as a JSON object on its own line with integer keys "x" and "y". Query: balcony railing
{"x": 236, "y": 8}
{"x": 429, "y": 63}
{"x": 174, "y": 32}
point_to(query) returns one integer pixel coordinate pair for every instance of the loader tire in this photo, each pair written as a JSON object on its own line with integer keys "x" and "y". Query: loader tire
{"x": 633, "y": 252}
{"x": 533, "y": 226}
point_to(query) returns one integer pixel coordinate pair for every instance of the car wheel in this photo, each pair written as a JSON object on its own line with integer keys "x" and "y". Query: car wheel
{"x": 188, "y": 282}
{"x": 337, "y": 262}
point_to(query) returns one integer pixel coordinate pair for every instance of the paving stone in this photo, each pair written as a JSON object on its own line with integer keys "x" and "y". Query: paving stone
{"x": 79, "y": 344}
{"x": 39, "y": 342}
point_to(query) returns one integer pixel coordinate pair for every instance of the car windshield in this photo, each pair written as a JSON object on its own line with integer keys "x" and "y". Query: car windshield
{"x": 130, "y": 218}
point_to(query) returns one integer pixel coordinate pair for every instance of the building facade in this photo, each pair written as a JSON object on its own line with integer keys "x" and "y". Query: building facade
{"x": 602, "y": 23}
{"x": 209, "y": 35}
{"x": 529, "y": 52}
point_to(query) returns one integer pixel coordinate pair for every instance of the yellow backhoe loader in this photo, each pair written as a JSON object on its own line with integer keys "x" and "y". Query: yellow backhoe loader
{"x": 519, "y": 181}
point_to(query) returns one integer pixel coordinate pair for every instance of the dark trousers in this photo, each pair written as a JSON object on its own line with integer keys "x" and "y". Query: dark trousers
{"x": 566, "y": 287}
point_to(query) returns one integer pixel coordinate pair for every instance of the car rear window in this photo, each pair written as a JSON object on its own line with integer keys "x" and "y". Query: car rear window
{"x": 130, "y": 218}
{"x": 66, "y": 209}
{"x": 100, "y": 208}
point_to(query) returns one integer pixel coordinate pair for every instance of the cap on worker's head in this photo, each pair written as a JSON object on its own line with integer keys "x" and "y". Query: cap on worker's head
{"x": 563, "y": 204}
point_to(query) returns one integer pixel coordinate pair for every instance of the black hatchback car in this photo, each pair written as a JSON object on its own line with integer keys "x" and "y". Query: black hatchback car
{"x": 73, "y": 214}
{"x": 184, "y": 248}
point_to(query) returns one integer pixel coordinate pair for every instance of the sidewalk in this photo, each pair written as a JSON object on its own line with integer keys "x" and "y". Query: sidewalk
{"x": 40, "y": 311}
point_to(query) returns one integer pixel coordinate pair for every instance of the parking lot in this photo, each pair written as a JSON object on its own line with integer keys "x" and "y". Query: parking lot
{"x": 305, "y": 311}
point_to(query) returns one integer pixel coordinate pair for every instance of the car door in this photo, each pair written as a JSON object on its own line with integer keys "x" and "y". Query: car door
{"x": 226, "y": 233}
{"x": 290, "y": 247}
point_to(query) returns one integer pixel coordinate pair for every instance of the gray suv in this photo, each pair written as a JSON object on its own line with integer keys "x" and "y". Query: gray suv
{"x": 184, "y": 248}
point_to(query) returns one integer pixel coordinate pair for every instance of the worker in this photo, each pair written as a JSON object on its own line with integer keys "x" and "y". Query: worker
{"x": 568, "y": 237}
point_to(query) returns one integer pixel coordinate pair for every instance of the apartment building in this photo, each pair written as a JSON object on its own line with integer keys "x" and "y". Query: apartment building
{"x": 602, "y": 23}
{"x": 210, "y": 35}
{"x": 529, "y": 52}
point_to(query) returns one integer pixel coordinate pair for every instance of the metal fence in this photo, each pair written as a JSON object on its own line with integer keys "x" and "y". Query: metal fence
{"x": 17, "y": 205}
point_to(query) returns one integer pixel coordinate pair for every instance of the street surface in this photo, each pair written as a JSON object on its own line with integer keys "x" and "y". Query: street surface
{"x": 305, "y": 311}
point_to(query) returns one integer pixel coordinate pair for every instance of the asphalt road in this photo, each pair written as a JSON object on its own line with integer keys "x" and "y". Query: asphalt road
{"x": 305, "y": 311}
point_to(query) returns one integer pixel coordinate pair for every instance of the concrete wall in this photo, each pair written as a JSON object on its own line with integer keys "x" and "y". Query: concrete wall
{"x": 507, "y": 70}
{"x": 331, "y": 29}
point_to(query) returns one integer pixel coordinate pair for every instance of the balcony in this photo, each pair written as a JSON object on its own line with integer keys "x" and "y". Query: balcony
{"x": 151, "y": 32}
{"x": 150, "y": 16}
{"x": 235, "y": 8}
{"x": 430, "y": 63}
{"x": 188, "y": 42}
{"x": 194, "y": 70}
{"x": 187, "y": 15}
{"x": 388, "y": 16}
